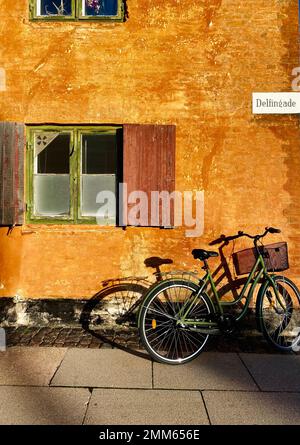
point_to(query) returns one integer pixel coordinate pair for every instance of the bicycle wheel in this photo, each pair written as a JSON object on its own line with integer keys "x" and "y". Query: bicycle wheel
{"x": 279, "y": 317}
{"x": 164, "y": 339}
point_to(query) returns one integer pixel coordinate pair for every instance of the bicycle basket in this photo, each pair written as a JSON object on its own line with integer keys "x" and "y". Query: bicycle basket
{"x": 275, "y": 258}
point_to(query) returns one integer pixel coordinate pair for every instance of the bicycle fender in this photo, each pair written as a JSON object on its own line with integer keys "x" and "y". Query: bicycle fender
{"x": 260, "y": 294}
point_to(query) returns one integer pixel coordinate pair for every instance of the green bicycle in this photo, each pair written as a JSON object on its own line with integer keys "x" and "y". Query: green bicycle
{"x": 177, "y": 316}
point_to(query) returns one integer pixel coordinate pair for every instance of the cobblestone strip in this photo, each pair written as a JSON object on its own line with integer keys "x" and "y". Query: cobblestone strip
{"x": 78, "y": 337}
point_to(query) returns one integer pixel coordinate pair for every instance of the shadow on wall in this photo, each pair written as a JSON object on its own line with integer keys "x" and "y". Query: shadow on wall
{"x": 111, "y": 314}
{"x": 223, "y": 272}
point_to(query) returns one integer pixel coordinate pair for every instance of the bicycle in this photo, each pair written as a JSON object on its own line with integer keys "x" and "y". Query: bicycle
{"x": 177, "y": 317}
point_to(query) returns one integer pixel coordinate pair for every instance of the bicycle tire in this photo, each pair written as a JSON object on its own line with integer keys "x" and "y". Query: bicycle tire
{"x": 279, "y": 325}
{"x": 206, "y": 308}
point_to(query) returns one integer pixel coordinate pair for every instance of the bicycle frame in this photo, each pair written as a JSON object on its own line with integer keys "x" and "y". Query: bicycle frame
{"x": 258, "y": 271}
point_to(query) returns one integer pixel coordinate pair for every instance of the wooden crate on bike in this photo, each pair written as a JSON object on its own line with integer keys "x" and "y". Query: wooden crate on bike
{"x": 275, "y": 258}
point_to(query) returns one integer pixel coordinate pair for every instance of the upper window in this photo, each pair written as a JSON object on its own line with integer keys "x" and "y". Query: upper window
{"x": 77, "y": 9}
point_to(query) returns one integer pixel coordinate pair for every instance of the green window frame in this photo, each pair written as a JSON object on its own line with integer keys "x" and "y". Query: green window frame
{"x": 77, "y": 12}
{"x": 38, "y": 183}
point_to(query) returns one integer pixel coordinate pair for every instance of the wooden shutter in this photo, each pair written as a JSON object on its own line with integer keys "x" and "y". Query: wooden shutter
{"x": 149, "y": 160}
{"x": 12, "y": 144}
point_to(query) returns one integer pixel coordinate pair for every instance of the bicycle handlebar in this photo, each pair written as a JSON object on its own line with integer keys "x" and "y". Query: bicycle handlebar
{"x": 226, "y": 239}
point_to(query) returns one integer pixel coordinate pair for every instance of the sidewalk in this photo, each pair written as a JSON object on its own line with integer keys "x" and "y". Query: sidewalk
{"x": 40, "y": 385}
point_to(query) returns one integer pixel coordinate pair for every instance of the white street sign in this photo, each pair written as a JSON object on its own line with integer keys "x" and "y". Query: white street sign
{"x": 276, "y": 103}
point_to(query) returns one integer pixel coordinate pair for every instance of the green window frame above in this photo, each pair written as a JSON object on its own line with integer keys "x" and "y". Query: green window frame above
{"x": 65, "y": 10}
{"x": 65, "y": 190}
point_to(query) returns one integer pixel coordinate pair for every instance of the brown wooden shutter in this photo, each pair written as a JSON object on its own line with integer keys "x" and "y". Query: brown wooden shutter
{"x": 12, "y": 145}
{"x": 149, "y": 160}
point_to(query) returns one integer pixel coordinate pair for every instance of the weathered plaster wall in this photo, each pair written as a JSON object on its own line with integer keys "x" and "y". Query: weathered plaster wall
{"x": 193, "y": 63}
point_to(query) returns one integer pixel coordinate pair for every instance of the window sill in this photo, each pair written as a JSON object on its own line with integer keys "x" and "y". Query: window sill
{"x": 66, "y": 228}
{"x": 77, "y": 19}
{"x": 31, "y": 228}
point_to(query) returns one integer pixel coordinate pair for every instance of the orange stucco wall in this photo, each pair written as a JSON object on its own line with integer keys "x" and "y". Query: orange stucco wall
{"x": 193, "y": 63}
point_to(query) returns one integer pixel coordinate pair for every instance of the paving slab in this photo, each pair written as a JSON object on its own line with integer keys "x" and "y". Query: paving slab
{"x": 210, "y": 370}
{"x": 42, "y": 405}
{"x": 29, "y": 366}
{"x": 252, "y": 408}
{"x": 274, "y": 372}
{"x": 104, "y": 368}
{"x": 142, "y": 407}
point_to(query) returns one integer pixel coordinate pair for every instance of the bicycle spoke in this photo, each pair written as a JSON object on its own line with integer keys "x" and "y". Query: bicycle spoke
{"x": 163, "y": 335}
{"x": 161, "y": 325}
{"x": 155, "y": 332}
{"x": 161, "y": 313}
{"x": 186, "y": 333}
{"x": 169, "y": 301}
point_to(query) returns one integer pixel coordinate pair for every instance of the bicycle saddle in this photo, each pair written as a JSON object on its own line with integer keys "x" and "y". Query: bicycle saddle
{"x": 200, "y": 254}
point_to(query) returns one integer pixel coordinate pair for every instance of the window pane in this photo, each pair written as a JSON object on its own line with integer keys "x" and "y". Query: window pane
{"x": 91, "y": 186}
{"x": 51, "y": 186}
{"x": 51, "y": 195}
{"x": 98, "y": 166}
{"x": 100, "y": 7}
{"x": 53, "y": 152}
{"x": 54, "y": 7}
{"x": 98, "y": 153}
